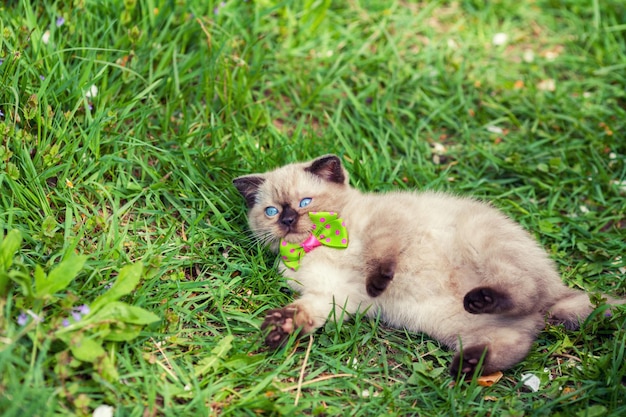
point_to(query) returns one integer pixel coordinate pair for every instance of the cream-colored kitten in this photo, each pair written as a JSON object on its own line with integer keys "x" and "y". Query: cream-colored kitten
{"x": 454, "y": 268}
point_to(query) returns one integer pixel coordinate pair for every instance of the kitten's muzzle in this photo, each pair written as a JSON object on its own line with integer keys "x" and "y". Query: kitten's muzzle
{"x": 288, "y": 218}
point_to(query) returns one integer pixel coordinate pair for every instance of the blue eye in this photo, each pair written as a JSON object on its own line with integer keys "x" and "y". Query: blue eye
{"x": 271, "y": 211}
{"x": 305, "y": 202}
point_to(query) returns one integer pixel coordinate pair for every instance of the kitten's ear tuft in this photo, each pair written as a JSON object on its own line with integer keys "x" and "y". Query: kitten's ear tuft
{"x": 329, "y": 168}
{"x": 248, "y": 186}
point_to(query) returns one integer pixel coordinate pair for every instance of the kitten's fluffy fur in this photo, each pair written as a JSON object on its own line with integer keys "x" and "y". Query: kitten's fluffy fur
{"x": 454, "y": 268}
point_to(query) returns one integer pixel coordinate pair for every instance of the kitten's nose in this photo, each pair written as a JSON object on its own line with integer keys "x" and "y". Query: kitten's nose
{"x": 288, "y": 221}
{"x": 288, "y": 217}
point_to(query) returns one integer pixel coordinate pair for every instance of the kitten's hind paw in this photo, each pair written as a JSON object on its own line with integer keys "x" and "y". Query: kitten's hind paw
{"x": 486, "y": 300}
{"x": 278, "y": 325}
{"x": 466, "y": 362}
{"x": 380, "y": 277}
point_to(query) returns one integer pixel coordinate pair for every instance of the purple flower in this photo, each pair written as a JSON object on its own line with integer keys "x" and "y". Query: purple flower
{"x": 65, "y": 322}
{"x": 60, "y": 21}
{"x": 41, "y": 77}
{"x": 84, "y": 309}
{"x": 22, "y": 319}
{"x": 80, "y": 311}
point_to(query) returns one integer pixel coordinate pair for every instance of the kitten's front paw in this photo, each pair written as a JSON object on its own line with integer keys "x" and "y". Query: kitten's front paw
{"x": 466, "y": 362}
{"x": 486, "y": 300}
{"x": 278, "y": 324}
{"x": 380, "y": 277}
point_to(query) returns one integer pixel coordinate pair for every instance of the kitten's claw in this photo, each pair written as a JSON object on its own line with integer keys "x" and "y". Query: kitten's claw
{"x": 466, "y": 362}
{"x": 486, "y": 300}
{"x": 278, "y": 325}
{"x": 380, "y": 277}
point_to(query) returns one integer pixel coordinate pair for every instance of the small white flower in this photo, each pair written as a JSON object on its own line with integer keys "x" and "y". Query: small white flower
{"x": 531, "y": 381}
{"x": 495, "y": 129}
{"x": 92, "y": 92}
{"x": 438, "y": 148}
{"x": 366, "y": 393}
{"x": 528, "y": 56}
{"x": 551, "y": 55}
{"x": 547, "y": 371}
{"x": 452, "y": 44}
{"x": 547, "y": 85}
{"x": 583, "y": 209}
{"x": 500, "y": 39}
{"x": 621, "y": 186}
{"x": 103, "y": 411}
{"x": 45, "y": 38}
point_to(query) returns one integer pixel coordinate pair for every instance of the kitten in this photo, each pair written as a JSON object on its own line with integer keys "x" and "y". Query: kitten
{"x": 454, "y": 268}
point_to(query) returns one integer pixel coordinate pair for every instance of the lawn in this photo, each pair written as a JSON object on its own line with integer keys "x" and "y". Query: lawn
{"x": 129, "y": 284}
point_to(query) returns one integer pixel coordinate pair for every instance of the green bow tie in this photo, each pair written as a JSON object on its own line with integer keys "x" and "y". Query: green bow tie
{"x": 328, "y": 230}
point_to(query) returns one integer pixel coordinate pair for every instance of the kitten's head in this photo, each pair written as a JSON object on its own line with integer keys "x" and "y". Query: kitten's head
{"x": 279, "y": 201}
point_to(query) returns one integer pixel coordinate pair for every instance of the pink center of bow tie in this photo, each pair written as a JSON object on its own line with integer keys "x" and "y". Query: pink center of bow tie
{"x": 310, "y": 244}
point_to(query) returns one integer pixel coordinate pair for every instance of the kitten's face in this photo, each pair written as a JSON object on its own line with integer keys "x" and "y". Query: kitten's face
{"x": 280, "y": 200}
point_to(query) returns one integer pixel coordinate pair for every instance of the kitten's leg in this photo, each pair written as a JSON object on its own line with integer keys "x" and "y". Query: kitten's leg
{"x": 280, "y": 323}
{"x": 573, "y": 307}
{"x": 487, "y": 300}
{"x": 499, "y": 347}
{"x": 506, "y": 272}
{"x": 466, "y": 362}
{"x": 379, "y": 277}
{"x": 303, "y": 316}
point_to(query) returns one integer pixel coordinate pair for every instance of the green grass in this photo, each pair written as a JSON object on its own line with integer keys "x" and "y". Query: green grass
{"x": 193, "y": 93}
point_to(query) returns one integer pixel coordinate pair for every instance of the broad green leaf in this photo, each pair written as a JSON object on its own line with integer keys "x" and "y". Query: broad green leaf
{"x": 49, "y": 226}
{"x": 4, "y": 280}
{"x": 23, "y": 280}
{"x": 595, "y": 410}
{"x": 125, "y": 283}
{"x": 86, "y": 349}
{"x": 241, "y": 361}
{"x": 60, "y": 277}
{"x": 123, "y": 333}
{"x": 218, "y": 353}
{"x": 106, "y": 368}
{"x": 40, "y": 275}
{"x": 123, "y": 312}
{"x": 8, "y": 248}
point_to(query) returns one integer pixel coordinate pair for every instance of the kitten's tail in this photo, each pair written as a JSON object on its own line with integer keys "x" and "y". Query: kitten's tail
{"x": 573, "y": 307}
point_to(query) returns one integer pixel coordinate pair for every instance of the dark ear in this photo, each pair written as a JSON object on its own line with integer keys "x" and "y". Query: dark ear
{"x": 248, "y": 186}
{"x": 329, "y": 168}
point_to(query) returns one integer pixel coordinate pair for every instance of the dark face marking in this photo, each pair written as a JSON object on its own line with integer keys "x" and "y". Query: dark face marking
{"x": 248, "y": 186}
{"x": 288, "y": 218}
{"x": 328, "y": 168}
